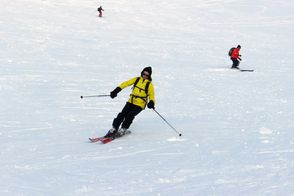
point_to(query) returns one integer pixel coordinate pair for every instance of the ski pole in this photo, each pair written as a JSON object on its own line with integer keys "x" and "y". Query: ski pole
{"x": 88, "y": 96}
{"x": 180, "y": 134}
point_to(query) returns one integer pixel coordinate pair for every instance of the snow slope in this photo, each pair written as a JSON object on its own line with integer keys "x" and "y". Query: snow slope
{"x": 237, "y": 127}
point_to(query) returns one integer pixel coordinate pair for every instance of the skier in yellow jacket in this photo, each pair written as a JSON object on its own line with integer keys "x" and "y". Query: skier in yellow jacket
{"x": 142, "y": 95}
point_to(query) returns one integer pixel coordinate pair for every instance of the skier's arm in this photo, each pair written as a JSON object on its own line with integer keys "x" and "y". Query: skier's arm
{"x": 151, "y": 93}
{"x": 238, "y": 56}
{"x": 123, "y": 85}
{"x": 127, "y": 83}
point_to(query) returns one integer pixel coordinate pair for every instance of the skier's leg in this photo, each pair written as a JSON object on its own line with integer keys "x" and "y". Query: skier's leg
{"x": 235, "y": 63}
{"x": 121, "y": 116}
{"x": 135, "y": 110}
{"x": 238, "y": 63}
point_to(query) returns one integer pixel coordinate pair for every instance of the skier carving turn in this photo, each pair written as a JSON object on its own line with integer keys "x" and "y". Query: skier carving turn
{"x": 142, "y": 95}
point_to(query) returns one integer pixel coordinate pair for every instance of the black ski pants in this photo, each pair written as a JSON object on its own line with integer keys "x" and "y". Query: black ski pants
{"x": 126, "y": 116}
{"x": 235, "y": 63}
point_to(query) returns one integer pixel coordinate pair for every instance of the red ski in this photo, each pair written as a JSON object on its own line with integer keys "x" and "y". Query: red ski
{"x": 101, "y": 139}
{"x": 105, "y": 140}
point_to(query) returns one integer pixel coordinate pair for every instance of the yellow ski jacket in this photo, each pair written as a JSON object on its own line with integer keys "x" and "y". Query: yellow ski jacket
{"x": 139, "y": 96}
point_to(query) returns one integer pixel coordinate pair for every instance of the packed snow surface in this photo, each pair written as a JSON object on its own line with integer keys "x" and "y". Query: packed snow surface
{"x": 238, "y": 129}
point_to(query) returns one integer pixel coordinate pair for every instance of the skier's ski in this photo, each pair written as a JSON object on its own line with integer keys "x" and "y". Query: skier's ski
{"x": 105, "y": 140}
{"x": 243, "y": 70}
{"x": 96, "y": 139}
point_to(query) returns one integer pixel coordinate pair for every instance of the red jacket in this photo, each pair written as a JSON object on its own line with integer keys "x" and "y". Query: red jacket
{"x": 235, "y": 53}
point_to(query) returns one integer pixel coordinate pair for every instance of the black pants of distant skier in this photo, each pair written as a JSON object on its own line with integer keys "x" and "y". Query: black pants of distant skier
{"x": 126, "y": 116}
{"x": 235, "y": 63}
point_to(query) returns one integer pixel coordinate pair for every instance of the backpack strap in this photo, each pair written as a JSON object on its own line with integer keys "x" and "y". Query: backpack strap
{"x": 136, "y": 82}
{"x": 146, "y": 90}
{"x": 146, "y": 87}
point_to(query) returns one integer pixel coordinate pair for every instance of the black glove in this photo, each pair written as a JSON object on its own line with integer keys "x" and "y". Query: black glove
{"x": 150, "y": 105}
{"x": 114, "y": 92}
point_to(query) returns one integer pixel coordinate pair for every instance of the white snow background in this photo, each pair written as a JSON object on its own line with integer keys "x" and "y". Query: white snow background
{"x": 237, "y": 126}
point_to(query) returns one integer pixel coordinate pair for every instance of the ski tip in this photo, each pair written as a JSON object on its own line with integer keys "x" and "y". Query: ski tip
{"x": 92, "y": 140}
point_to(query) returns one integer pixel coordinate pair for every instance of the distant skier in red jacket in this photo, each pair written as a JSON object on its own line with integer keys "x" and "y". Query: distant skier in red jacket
{"x": 235, "y": 57}
{"x": 100, "y": 9}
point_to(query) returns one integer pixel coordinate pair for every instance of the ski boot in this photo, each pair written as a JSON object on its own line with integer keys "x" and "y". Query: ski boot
{"x": 121, "y": 132}
{"x": 111, "y": 133}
